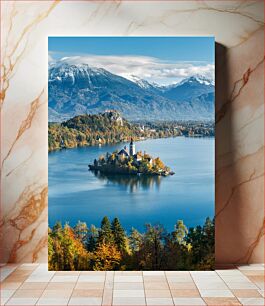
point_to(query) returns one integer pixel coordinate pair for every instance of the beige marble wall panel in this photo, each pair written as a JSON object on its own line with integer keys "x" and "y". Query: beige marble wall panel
{"x": 237, "y": 25}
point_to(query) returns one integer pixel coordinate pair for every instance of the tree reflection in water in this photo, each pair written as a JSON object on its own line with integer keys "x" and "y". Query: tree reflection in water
{"x": 131, "y": 182}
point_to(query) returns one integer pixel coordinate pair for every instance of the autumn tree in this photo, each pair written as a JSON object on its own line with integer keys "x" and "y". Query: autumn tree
{"x": 135, "y": 240}
{"x": 180, "y": 232}
{"x": 66, "y": 251}
{"x": 106, "y": 257}
{"x": 80, "y": 231}
{"x": 109, "y": 248}
{"x": 158, "y": 162}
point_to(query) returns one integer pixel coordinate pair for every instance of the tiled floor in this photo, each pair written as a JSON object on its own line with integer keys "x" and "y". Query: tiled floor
{"x": 32, "y": 284}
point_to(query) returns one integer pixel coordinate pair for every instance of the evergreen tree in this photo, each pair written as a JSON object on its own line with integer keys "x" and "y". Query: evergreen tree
{"x": 105, "y": 233}
{"x": 118, "y": 235}
{"x": 57, "y": 228}
{"x": 92, "y": 238}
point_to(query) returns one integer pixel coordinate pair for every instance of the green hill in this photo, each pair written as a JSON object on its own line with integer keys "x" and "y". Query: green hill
{"x": 108, "y": 127}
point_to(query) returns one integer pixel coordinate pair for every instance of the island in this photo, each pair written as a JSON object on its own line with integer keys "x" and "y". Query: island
{"x": 130, "y": 162}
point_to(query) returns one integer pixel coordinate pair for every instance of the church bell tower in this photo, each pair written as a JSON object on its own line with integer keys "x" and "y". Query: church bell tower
{"x": 132, "y": 147}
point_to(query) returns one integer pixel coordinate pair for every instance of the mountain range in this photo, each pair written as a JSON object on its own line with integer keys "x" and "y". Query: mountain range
{"x": 76, "y": 89}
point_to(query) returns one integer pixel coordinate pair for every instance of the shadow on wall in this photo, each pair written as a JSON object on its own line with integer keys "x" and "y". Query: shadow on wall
{"x": 222, "y": 135}
{"x": 232, "y": 236}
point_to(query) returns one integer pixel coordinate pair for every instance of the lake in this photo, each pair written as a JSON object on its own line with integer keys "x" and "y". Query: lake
{"x": 78, "y": 194}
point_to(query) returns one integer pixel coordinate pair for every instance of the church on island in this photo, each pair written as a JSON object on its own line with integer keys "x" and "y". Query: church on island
{"x": 128, "y": 161}
{"x": 125, "y": 154}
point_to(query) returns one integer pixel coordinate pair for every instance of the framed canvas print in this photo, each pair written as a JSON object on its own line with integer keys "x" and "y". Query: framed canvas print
{"x": 131, "y": 153}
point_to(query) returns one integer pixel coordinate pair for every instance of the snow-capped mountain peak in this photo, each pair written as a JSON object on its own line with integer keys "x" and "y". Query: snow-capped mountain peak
{"x": 64, "y": 71}
{"x": 196, "y": 79}
{"x": 140, "y": 82}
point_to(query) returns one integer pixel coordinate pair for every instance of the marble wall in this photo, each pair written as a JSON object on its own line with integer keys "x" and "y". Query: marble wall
{"x": 238, "y": 27}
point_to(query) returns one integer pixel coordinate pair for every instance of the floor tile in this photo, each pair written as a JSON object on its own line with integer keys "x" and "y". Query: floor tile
{"x": 3, "y": 300}
{"x": 260, "y": 285}
{"x": 155, "y": 278}
{"x": 182, "y": 286}
{"x": 129, "y": 286}
{"x": 32, "y": 286}
{"x": 159, "y": 301}
{"x": 15, "y": 278}
{"x": 177, "y": 273}
{"x": 235, "y": 278}
{"x": 261, "y": 292}
{"x": 39, "y": 278}
{"x": 129, "y": 273}
{"x": 85, "y": 301}
{"x": 53, "y": 301}
{"x": 232, "y": 272}
{"x": 109, "y": 284}
{"x": 64, "y": 279}
{"x": 128, "y": 293}
{"x": 188, "y": 301}
{"x": 211, "y": 285}
{"x": 89, "y": 285}
{"x": 67, "y": 273}
{"x": 253, "y": 272}
{"x": 7, "y": 293}
{"x": 216, "y": 293}
{"x": 87, "y": 293}
{"x": 6, "y": 271}
{"x": 28, "y": 293}
{"x": 9, "y": 285}
{"x": 64, "y": 294}
{"x": 28, "y": 266}
{"x": 95, "y": 273}
{"x": 218, "y": 301}
{"x": 91, "y": 278}
{"x": 156, "y": 285}
{"x": 153, "y": 273}
{"x": 157, "y": 293}
{"x": 182, "y": 293}
{"x": 60, "y": 286}
{"x": 256, "y": 278}
{"x": 123, "y": 301}
{"x": 246, "y": 293}
{"x": 203, "y": 273}
{"x": 128, "y": 279}
{"x": 107, "y": 297}
{"x": 22, "y": 301}
{"x": 252, "y": 301}
{"x": 241, "y": 285}
{"x": 180, "y": 278}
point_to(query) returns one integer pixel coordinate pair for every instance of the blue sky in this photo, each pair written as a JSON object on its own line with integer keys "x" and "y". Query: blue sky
{"x": 162, "y": 60}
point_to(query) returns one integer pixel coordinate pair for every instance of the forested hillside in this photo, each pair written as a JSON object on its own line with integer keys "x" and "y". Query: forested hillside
{"x": 111, "y": 248}
{"x": 110, "y": 127}
{"x": 91, "y": 130}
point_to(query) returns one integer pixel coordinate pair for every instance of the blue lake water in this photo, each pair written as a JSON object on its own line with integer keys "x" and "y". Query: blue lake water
{"x": 78, "y": 194}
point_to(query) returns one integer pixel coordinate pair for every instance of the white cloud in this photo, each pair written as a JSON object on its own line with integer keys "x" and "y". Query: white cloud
{"x": 149, "y": 68}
